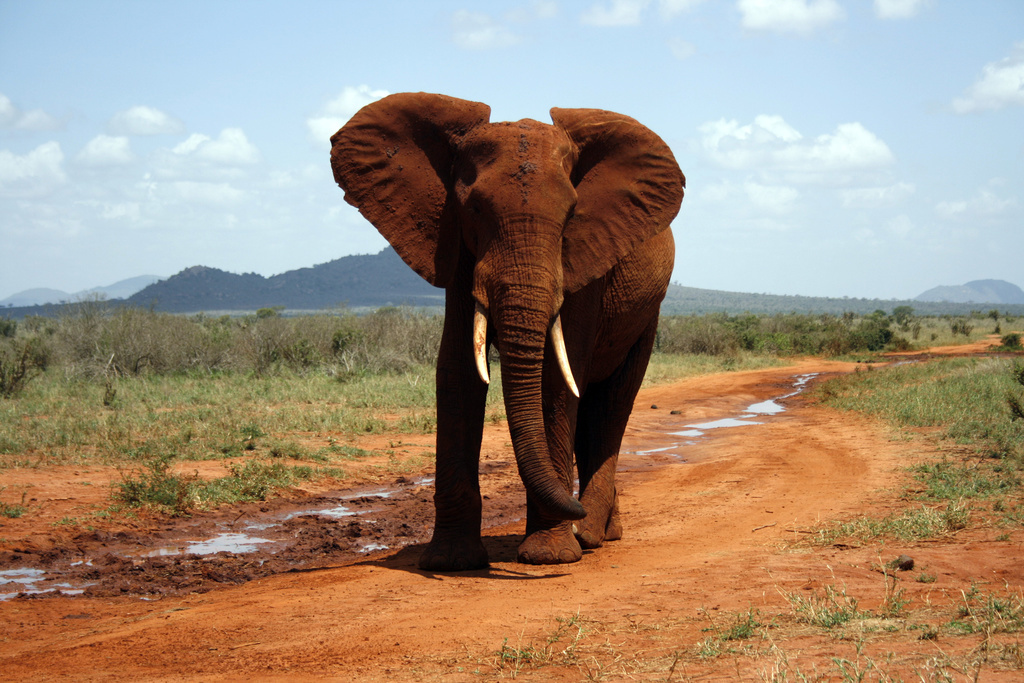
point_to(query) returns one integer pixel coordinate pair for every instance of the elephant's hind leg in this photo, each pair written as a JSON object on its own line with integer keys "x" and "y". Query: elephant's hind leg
{"x": 603, "y": 414}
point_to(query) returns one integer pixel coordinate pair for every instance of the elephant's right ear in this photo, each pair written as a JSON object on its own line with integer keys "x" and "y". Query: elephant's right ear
{"x": 394, "y": 161}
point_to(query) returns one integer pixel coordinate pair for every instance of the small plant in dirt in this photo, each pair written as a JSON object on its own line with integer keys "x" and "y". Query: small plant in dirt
{"x": 895, "y": 601}
{"x": 908, "y": 525}
{"x": 250, "y": 433}
{"x": 13, "y": 510}
{"x": 988, "y": 613}
{"x": 745, "y": 625}
{"x": 559, "y": 648}
{"x": 950, "y": 480}
{"x": 832, "y": 608}
{"x": 156, "y": 486}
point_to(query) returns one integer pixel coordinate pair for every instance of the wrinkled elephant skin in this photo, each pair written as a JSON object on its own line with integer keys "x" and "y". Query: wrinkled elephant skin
{"x": 553, "y": 245}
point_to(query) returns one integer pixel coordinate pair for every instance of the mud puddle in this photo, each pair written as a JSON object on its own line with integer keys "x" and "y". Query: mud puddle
{"x": 250, "y": 541}
{"x": 692, "y": 433}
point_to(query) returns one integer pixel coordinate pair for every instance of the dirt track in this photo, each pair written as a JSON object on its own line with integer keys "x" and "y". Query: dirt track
{"x": 706, "y": 537}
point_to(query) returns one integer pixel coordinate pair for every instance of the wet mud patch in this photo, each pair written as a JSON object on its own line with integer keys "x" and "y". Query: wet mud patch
{"x": 247, "y": 542}
{"x": 304, "y": 532}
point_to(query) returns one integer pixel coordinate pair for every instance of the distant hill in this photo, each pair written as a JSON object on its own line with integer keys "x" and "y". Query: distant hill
{"x": 374, "y": 280}
{"x": 977, "y": 291}
{"x": 35, "y": 297}
{"x": 682, "y": 300}
{"x": 43, "y": 295}
{"x": 358, "y": 281}
{"x": 121, "y": 289}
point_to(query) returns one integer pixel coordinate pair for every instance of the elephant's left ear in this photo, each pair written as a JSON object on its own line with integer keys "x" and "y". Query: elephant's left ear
{"x": 628, "y": 186}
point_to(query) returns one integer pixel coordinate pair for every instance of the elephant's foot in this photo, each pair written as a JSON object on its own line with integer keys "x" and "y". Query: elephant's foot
{"x": 550, "y": 546}
{"x": 449, "y": 553}
{"x": 613, "y": 531}
{"x": 599, "y": 525}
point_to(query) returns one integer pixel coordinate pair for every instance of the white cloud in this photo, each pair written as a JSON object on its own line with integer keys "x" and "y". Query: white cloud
{"x": 8, "y": 112}
{"x": 338, "y": 111}
{"x": 771, "y": 144}
{"x": 142, "y": 120}
{"x": 35, "y": 120}
{"x": 545, "y": 9}
{"x": 113, "y": 211}
{"x": 772, "y": 198}
{"x": 630, "y": 12}
{"x": 681, "y": 49}
{"x": 874, "y": 197}
{"x": 789, "y": 16}
{"x": 231, "y": 148}
{"x": 35, "y": 174}
{"x": 1001, "y": 84}
{"x": 899, "y": 9}
{"x": 104, "y": 150}
{"x": 615, "y": 13}
{"x": 670, "y": 8}
{"x": 901, "y": 226}
{"x": 479, "y": 31}
{"x": 128, "y": 211}
{"x": 984, "y": 203}
{"x": 717, "y": 192}
{"x": 217, "y": 194}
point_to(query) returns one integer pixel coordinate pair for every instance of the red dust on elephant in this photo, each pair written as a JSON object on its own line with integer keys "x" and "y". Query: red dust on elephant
{"x": 552, "y": 243}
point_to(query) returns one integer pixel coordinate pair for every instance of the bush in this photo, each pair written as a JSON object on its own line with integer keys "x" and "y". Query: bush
{"x": 961, "y": 326}
{"x": 1011, "y": 341}
{"x": 21, "y": 359}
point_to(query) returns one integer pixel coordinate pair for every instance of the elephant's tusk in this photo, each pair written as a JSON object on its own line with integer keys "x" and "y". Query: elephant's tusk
{"x": 480, "y": 342}
{"x": 563, "y": 360}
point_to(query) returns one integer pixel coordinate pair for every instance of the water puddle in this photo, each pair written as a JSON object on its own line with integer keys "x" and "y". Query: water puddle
{"x": 693, "y": 433}
{"x": 228, "y": 542}
{"x": 28, "y": 581}
{"x": 245, "y": 541}
{"x": 275, "y": 532}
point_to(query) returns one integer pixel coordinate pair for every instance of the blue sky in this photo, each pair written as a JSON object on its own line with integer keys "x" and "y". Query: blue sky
{"x": 832, "y": 147}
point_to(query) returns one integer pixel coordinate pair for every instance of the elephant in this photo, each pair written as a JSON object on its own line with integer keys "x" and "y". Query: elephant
{"x": 553, "y": 245}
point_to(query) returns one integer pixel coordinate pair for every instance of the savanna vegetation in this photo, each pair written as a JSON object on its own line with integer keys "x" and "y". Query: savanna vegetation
{"x": 142, "y": 390}
{"x": 967, "y": 409}
{"x": 145, "y": 391}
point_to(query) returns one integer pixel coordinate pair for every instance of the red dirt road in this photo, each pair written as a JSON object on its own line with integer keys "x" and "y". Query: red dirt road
{"x": 704, "y": 540}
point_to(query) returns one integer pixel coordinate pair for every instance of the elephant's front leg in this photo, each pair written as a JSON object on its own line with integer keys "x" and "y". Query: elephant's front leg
{"x": 461, "y": 396}
{"x": 604, "y": 413}
{"x": 549, "y": 540}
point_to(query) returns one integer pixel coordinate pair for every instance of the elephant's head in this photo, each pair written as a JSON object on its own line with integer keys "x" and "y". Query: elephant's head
{"x": 544, "y": 210}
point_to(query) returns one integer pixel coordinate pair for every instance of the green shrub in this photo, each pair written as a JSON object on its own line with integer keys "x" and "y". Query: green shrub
{"x": 21, "y": 359}
{"x": 1011, "y": 341}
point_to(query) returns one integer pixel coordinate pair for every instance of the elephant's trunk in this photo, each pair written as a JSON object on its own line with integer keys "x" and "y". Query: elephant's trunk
{"x": 521, "y": 337}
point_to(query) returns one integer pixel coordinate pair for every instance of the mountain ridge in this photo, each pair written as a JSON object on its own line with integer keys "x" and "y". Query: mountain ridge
{"x": 976, "y": 291}
{"x": 38, "y": 296}
{"x": 370, "y": 281}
